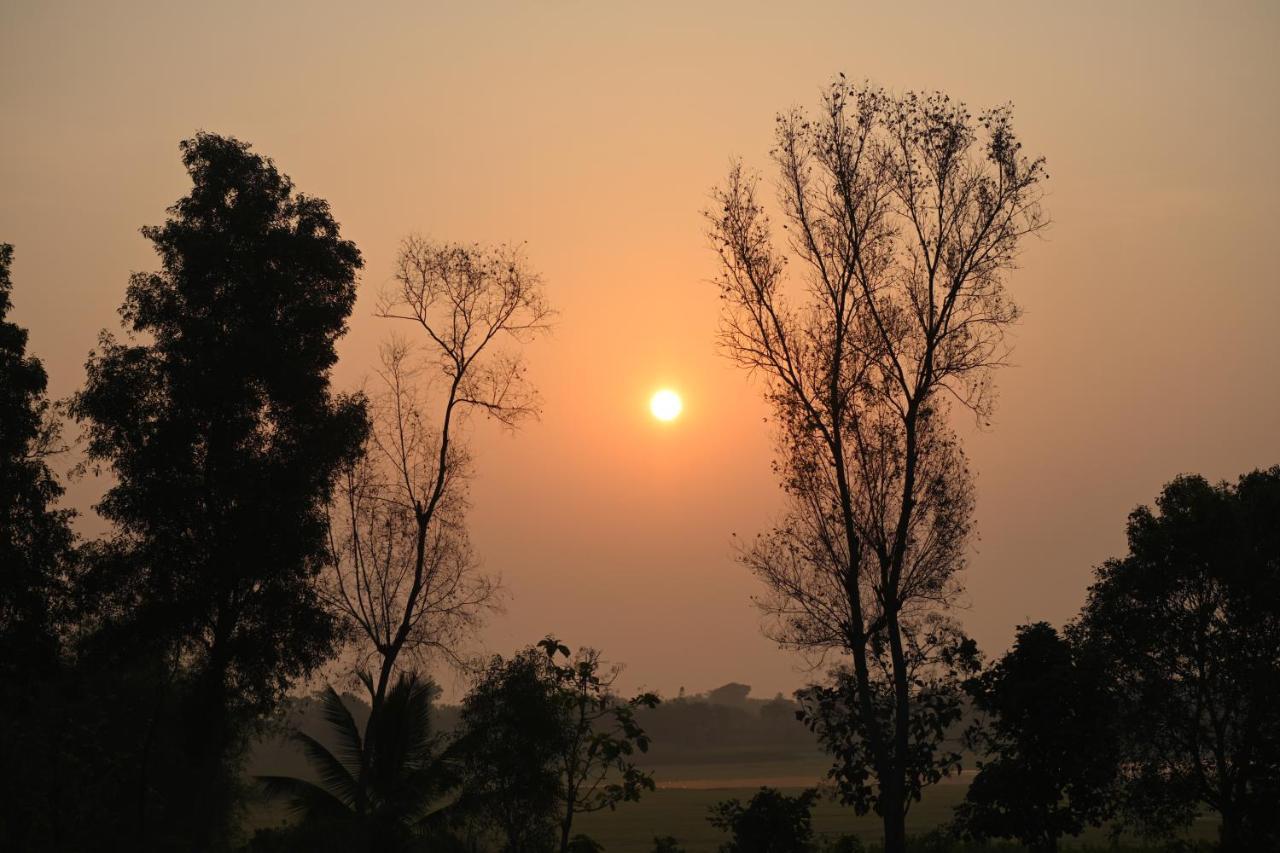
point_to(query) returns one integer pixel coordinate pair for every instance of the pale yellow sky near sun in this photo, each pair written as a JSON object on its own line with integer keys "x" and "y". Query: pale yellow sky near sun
{"x": 593, "y": 132}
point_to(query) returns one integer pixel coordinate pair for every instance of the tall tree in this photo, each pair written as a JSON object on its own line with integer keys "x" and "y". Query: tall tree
{"x": 1046, "y": 740}
{"x": 403, "y": 574}
{"x": 903, "y": 215}
{"x": 1189, "y": 624}
{"x": 35, "y": 547}
{"x": 216, "y": 418}
{"x": 35, "y": 536}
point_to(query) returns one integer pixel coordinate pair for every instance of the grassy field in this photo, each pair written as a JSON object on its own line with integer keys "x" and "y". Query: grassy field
{"x": 686, "y": 791}
{"x": 682, "y": 812}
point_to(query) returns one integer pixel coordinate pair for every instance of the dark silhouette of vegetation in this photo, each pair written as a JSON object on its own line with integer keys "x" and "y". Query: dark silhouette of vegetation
{"x": 404, "y": 577}
{"x": 216, "y": 419}
{"x": 771, "y": 822}
{"x": 1048, "y": 740}
{"x": 937, "y": 664}
{"x": 36, "y": 551}
{"x": 543, "y": 740}
{"x": 1188, "y": 623}
{"x": 904, "y": 215}
{"x": 513, "y": 731}
{"x": 602, "y": 737}
{"x": 375, "y": 792}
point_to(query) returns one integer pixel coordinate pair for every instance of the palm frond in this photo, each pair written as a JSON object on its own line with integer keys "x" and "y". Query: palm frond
{"x": 305, "y": 798}
{"x": 350, "y": 748}
{"x": 337, "y": 778}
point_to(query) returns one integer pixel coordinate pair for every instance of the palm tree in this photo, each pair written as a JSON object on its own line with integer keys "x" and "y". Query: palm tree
{"x": 379, "y": 786}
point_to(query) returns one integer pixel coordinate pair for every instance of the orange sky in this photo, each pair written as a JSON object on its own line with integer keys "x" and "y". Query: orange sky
{"x": 594, "y": 132}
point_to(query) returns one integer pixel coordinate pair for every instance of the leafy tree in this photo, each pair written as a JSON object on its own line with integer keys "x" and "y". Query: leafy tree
{"x": 512, "y": 733}
{"x": 597, "y": 770}
{"x": 35, "y": 537}
{"x": 903, "y": 219}
{"x": 36, "y": 548}
{"x": 771, "y": 822}
{"x": 1189, "y": 625}
{"x": 938, "y": 661}
{"x": 217, "y": 421}
{"x": 666, "y": 844}
{"x": 1048, "y": 743}
{"x": 374, "y": 793}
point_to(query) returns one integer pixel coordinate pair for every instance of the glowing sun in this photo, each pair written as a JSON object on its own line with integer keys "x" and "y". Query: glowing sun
{"x": 666, "y": 405}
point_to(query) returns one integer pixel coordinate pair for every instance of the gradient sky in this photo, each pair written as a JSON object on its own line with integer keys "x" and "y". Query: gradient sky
{"x": 594, "y": 132}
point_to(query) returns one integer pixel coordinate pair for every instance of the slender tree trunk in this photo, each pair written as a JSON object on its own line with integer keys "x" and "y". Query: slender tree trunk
{"x": 566, "y": 826}
{"x": 1231, "y": 836}
{"x": 895, "y": 814}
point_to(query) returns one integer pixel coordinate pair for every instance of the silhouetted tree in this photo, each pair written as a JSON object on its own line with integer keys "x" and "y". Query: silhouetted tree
{"x": 937, "y": 661}
{"x": 35, "y": 536}
{"x": 904, "y": 214}
{"x": 1047, "y": 741}
{"x": 216, "y": 419}
{"x": 404, "y": 575}
{"x": 1189, "y": 624}
{"x": 512, "y": 733}
{"x": 36, "y": 546}
{"x": 596, "y": 765}
{"x": 375, "y": 793}
{"x": 771, "y": 822}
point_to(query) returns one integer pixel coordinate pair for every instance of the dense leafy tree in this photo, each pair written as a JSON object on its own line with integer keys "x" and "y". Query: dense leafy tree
{"x": 1189, "y": 623}
{"x": 1047, "y": 740}
{"x": 35, "y": 549}
{"x": 512, "y": 732}
{"x": 35, "y": 536}
{"x": 374, "y": 793}
{"x": 217, "y": 421}
{"x": 770, "y": 822}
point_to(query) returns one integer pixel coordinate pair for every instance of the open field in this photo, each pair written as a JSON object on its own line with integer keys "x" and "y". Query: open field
{"x": 686, "y": 791}
{"x": 682, "y": 812}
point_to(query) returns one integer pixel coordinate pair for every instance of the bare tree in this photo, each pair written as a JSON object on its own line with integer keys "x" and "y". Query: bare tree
{"x": 404, "y": 574}
{"x": 903, "y": 215}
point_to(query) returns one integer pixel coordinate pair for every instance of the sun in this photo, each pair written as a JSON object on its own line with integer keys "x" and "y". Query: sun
{"x": 666, "y": 405}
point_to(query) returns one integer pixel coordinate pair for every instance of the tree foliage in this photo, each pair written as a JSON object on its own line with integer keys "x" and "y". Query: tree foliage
{"x": 1189, "y": 625}
{"x": 512, "y": 732}
{"x": 597, "y": 757}
{"x": 36, "y": 554}
{"x": 834, "y": 712}
{"x": 884, "y": 301}
{"x": 1046, "y": 740}
{"x": 770, "y": 822}
{"x": 375, "y": 793}
{"x": 216, "y": 419}
{"x": 35, "y": 536}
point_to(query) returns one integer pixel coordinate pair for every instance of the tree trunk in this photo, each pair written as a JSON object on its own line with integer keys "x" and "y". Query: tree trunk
{"x": 895, "y": 793}
{"x": 566, "y": 826}
{"x": 1231, "y": 834}
{"x": 895, "y": 825}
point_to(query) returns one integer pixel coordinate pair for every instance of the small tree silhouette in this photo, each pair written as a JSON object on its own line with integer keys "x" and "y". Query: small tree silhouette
{"x": 377, "y": 789}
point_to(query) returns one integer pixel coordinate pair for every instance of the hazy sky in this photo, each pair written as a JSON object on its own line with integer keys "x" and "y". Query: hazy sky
{"x": 594, "y": 132}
